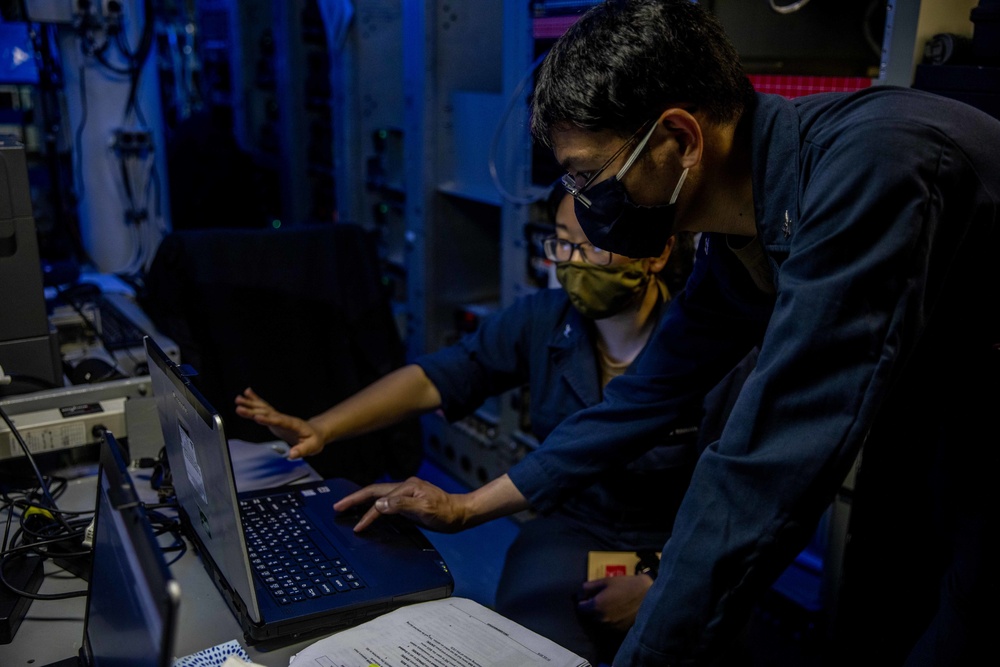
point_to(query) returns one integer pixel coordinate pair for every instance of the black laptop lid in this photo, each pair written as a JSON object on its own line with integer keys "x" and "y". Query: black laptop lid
{"x": 204, "y": 482}
{"x": 132, "y": 599}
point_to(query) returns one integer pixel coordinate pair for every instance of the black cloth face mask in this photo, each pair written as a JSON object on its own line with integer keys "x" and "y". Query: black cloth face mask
{"x": 615, "y": 223}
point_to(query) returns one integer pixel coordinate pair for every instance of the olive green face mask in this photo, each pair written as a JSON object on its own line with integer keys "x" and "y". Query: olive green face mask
{"x": 602, "y": 291}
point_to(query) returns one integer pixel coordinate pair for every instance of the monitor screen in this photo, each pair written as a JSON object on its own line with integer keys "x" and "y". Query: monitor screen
{"x": 132, "y": 600}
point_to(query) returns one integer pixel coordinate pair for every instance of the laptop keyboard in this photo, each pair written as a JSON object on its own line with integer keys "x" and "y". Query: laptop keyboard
{"x": 284, "y": 556}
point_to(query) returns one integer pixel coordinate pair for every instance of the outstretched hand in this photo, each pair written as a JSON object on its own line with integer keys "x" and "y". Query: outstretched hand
{"x": 300, "y": 434}
{"x": 415, "y": 499}
{"x": 614, "y": 601}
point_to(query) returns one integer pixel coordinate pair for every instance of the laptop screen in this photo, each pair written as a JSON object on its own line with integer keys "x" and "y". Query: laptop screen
{"x": 202, "y": 473}
{"x": 132, "y": 599}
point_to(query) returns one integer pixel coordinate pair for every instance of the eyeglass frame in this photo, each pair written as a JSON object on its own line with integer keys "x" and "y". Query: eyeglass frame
{"x": 568, "y": 181}
{"x": 574, "y": 247}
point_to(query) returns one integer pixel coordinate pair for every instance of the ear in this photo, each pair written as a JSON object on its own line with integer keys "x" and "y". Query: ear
{"x": 686, "y": 131}
{"x": 657, "y": 264}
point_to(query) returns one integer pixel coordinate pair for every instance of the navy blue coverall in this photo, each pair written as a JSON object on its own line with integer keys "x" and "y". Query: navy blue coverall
{"x": 878, "y": 212}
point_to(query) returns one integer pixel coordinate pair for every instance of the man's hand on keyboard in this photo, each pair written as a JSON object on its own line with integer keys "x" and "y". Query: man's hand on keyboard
{"x": 415, "y": 499}
{"x": 300, "y": 434}
{"x": 433, "y": 508}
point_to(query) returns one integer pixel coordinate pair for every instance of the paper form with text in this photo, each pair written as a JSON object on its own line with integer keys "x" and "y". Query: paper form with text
{"x": 452, "y": 632}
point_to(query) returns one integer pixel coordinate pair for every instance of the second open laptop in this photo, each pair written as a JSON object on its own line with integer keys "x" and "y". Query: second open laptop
{"x": 132, "y": 599}
{"x": 285, "y": 563}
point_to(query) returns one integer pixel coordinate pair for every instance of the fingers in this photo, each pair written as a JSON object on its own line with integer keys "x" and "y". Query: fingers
{"x": 243, "y": 408}
{"x": 362, "y": 496}
{"x": 265, "y": 415}
{"x": 248, "y": 406}
{"x": 248, "y": 397}
{"x": 371, "y": 492}
{"x": 252, "y": 395}
{"x": 250, "y": 400}
{"x": 306, "y": 447}
{"x": 268, "y": 417}
{"x": 415, "y": 499}
{"x": 367, "y": 519}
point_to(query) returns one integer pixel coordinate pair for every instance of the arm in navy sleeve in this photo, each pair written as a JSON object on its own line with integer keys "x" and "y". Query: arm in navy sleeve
{"x": 854, "y": 294}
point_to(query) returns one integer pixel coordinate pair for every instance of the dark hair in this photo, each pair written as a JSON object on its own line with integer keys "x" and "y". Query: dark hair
{"x": 625, "y": 61}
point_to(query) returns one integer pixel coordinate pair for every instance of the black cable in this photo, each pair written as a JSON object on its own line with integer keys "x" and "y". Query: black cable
{"x": 10, "y": 519}
{"x": 163, "y": 525}
{"x": 73, "y": 514}
{"x": 151, "y": 507}
{"x": 78, "y": 156}
{"x": 33, "y": 596}
{"x": 57, "y": 487}
{"x": 121, "y": 71}
{"x": 34, "y": 466}
{"x": 26, "y": 503}
{"x": 49, "y": 531}
{"x": 138, "y": 58}
{"x": 21, "y": 547}
{"x": 136, "y": 214}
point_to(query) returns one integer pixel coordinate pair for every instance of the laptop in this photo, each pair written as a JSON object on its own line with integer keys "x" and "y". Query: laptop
{"x": 132, "y": 600}
{"x": 286, "y": 564}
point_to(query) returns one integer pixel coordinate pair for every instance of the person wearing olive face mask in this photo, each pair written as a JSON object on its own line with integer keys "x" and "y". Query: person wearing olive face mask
{"x": 602, "y": 291}
{"x": 565, "y": 345}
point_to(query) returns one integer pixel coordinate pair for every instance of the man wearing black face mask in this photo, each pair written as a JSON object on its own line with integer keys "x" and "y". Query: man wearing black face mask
{"x": 607, "y": 212}
{"x": 853, "y": 238}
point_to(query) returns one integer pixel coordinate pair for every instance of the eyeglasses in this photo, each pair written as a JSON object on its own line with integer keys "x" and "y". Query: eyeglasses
{"x": 576, "y": 189}
{"x": 561, "y": 250}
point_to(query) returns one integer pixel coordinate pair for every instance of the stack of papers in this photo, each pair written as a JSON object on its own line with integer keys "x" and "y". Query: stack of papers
{"x": 454, "y": 631}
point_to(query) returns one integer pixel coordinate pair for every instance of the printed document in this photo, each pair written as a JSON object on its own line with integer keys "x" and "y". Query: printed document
{"x": 452, "y": 632}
